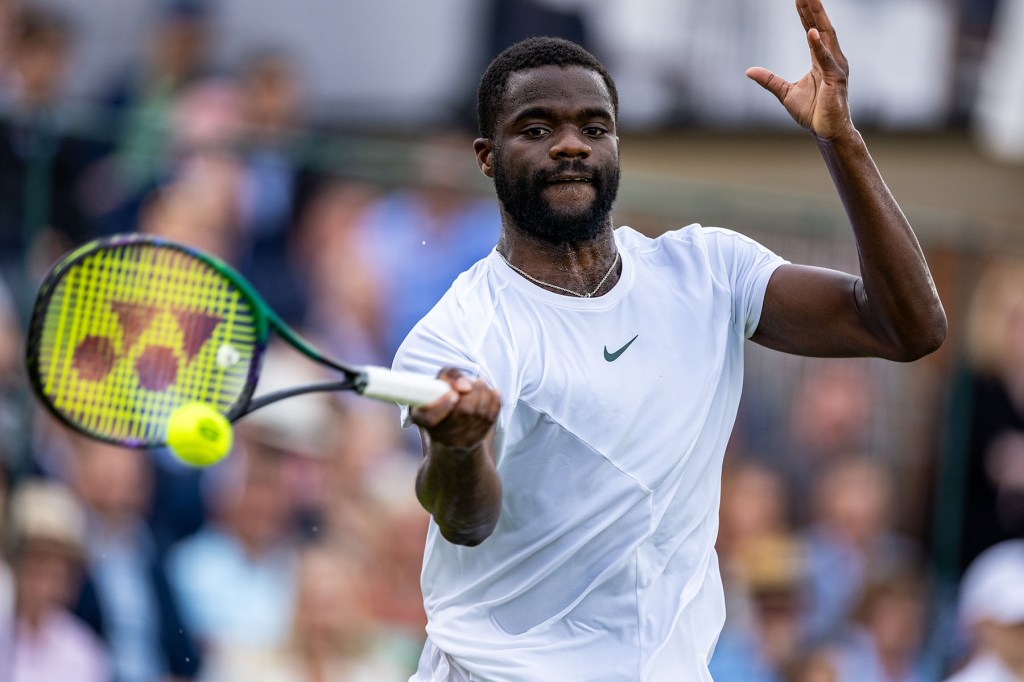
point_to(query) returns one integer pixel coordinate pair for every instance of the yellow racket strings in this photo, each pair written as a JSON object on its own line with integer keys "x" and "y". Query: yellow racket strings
{"x": 133, "y": 331}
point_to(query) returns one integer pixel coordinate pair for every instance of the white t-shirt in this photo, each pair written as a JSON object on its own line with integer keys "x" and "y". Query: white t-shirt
{"x": 615, "y": 416}
{"x": 985, "y": 668}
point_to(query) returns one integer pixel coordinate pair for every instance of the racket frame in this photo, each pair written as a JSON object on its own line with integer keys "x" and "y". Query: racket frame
{"x": 265, "y": 320}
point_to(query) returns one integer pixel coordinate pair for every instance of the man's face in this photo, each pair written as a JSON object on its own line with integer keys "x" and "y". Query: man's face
{"x": 554, "y": 157}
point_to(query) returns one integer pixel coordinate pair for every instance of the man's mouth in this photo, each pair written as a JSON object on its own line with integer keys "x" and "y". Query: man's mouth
{"x": 559, "y": 179}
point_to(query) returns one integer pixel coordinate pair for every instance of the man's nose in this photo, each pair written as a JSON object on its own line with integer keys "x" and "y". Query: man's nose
{"x": 570, "y": 143}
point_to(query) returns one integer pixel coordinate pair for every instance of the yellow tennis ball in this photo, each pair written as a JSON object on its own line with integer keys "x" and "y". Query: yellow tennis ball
{"x": 198, "y": 434}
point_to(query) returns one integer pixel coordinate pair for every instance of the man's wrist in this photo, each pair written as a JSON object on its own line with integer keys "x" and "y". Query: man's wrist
{"x": 457, "y": 451}
{"x": 846, "y": 136}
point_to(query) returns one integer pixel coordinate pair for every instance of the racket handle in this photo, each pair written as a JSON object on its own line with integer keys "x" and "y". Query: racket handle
{"x": 402, "y": 387}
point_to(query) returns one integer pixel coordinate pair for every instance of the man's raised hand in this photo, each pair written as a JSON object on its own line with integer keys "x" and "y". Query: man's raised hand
{"x": 818, "y": 101}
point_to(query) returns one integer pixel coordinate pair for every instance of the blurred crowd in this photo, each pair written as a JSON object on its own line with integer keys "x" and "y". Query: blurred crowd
{"x": 297, "y": 558}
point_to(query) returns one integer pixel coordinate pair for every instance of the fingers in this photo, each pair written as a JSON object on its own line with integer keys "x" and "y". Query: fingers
{"x": 435, "y": 412}
{"x": 430, "y": 415}
{"x": 819, "y": 53}
{"x": 456, "y": 379}
{"x": 813, "y": 17}
{"x": 822, "y": 56}
{"x": 769, "y": 81}
{"x": 462, "y": 417}
{"x": 806, "y": 17}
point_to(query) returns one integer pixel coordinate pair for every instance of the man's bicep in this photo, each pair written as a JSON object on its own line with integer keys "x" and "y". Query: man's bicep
{"x": 816, "y": 312}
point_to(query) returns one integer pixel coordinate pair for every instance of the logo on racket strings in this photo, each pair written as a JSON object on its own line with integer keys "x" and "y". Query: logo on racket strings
{"x": 158, "y": 364}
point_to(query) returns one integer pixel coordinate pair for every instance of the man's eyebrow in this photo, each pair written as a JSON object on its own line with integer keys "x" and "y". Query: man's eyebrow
{"x": 596, "y": 112}
{"x": 533, "y": 112}
{"x": 548, "y": 113}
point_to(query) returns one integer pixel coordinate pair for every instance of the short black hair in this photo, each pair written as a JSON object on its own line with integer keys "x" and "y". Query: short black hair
{"x": 528, "y": 54}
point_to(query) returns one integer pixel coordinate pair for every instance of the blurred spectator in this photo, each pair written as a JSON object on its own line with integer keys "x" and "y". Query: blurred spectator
{"x": 850, "y": 541}
{"x": 754, "y": 505}
{"x": 992, "y": 608}
{"x": 6, "y": 578}
{"x": 44, "y": 642}
{"x": 347, "y": 305}
{"x": 424, "y": 237}
{"x": 886, "y": 640}
{"x": 396, "y": 553}
{"x": 753, "y": 509}
{"x": 772, "y": 575}
{"x": 109, "y": 35}
{"x": 273, "y": 184}
{"x": 145, "y": 97}
{"x": 7, "y": 12}
{"x": 814, "y": 666}
{"x": 41, "y": 162}
{"x": 126, "y": 596}
{"x": 332, "y": 638}
{"x": 981, "y": 496}
{"x": 15, "y": 407}
{"x": 999, "y": 108}
{"x": 177, "y": 509}
{"x": 363, "y": 458}
{"x": 235, "y": 577}
{"x": 50, "y": 452}
{"x": 297, "y": 431}
{"x": 831, "y": 413}
{"x": 197, "y": 205}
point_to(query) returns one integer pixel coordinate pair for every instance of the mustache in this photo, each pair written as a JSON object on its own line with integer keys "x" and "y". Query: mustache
{"x": 573, "y": 167}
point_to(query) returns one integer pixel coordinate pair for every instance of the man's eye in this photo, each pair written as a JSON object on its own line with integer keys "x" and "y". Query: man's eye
{"x": 594, "y": 131}
{"x": 535, "y": 131}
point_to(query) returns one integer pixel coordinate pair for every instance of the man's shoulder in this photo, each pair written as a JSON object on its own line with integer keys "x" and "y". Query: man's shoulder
{"x": 683, "y": 237}
{"x": 463, "y": 313}
{"x": 472, "y": 291}
{"x": 715, "y": 243}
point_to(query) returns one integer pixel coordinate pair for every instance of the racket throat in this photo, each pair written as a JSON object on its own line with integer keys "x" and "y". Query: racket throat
{"x": 354, "y": 383}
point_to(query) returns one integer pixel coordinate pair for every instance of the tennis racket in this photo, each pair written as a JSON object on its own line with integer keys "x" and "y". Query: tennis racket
{"x": 127, "y": 328}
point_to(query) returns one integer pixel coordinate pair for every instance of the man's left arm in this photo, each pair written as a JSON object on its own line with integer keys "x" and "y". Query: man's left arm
{"x": 892, "y": 310}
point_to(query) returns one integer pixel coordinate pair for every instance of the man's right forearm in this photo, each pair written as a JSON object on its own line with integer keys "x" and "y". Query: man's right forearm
{"x": 461, "y": 488}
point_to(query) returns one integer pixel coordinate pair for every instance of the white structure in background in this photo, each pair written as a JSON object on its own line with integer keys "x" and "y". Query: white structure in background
{"x": 410, "y": 62}
{"x": 688, "y": 57}
{"x": 999, "y": 110}
{"x": 399, "y": 61}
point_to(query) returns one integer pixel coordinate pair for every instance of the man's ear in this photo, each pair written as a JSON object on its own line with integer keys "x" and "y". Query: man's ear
{"x": 484, "y": 149}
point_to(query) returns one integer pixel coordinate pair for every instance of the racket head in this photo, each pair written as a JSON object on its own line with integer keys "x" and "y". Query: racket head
{"x": 126, "y": 329}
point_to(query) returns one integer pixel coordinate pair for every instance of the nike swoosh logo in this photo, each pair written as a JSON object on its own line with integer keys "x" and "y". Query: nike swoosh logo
{"x": 612, "y": 357}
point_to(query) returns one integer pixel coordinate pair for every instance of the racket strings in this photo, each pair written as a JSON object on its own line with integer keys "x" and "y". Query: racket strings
{"x": 132, "y": 331}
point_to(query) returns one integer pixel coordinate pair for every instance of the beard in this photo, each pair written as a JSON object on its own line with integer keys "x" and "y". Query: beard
{"x": 523, "y": 200}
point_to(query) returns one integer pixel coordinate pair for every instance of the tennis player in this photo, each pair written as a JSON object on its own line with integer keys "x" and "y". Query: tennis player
{"x": 573, "y": 472}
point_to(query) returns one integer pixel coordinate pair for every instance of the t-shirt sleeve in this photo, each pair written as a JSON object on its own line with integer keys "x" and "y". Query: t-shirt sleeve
{"x": 748, "y": 266}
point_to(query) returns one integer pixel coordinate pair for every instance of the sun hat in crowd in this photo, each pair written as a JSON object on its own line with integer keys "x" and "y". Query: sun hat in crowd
{"x": 993, "y": 586}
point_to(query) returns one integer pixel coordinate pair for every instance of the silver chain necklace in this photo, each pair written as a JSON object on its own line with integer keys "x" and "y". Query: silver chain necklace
{"x": 533, "y": 279}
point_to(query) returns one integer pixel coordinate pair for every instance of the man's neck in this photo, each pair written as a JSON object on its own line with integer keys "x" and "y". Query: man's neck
{"x": 575, "y": 266}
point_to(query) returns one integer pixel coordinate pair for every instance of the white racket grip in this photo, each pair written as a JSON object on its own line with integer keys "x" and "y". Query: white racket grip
{"x": 406, "y": 388}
